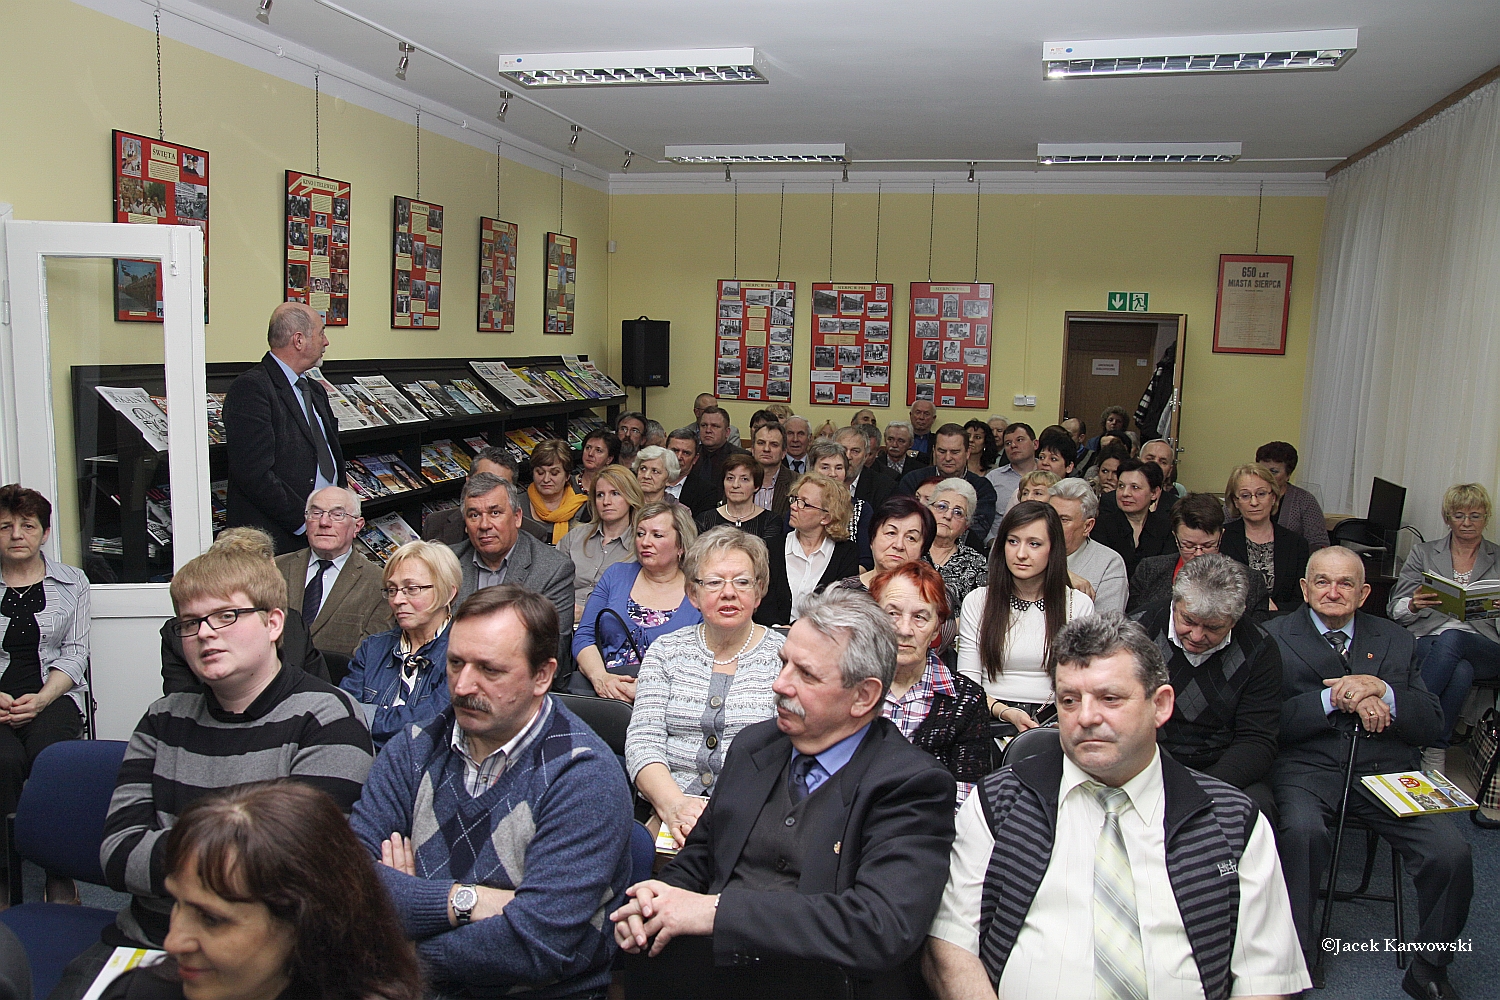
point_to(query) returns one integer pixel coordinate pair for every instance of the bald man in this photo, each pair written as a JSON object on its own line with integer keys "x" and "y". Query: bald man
{"x": 282, "y": 437}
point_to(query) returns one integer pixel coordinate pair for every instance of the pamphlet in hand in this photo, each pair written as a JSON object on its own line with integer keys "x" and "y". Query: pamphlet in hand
{"x": 121, "y": 961}
{"x": 1417, "y": 793}
{"x": 665, "y": 842}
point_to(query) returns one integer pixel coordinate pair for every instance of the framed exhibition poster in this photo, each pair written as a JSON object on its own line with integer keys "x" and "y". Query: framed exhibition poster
{"x": 316, "y": 251}
{"x": 948, "y": 353}
{"x": 497, "y": 275}
{"x": 155, "y": 183}
{"x": 753, "y": 345}
{"x": 851, "y": 344}
{"x": 417, "y": 263}
{"x": 562, "y": 283}
{"x": 1255, "y": 295}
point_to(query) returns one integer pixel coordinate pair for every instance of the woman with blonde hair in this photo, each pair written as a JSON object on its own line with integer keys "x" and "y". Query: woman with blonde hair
{"x": 400, "y": 675}
{"x": 1277, "y": 555}
{"x": 552, "y": 497}
{"x": 1453, "y": 653}
{"x": 1036, "y": 485}
{"x": 816, "y": 552}
{"x": 604, "y": 538}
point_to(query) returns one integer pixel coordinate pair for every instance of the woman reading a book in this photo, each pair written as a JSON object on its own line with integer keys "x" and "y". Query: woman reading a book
{"x": 400, "y": 676}
{"x": 605, "y": 538}
{"x": 553, "y": 499}
{"x": 1454, "y": 653}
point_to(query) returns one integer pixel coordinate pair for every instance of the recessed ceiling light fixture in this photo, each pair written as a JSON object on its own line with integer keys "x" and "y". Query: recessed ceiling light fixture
{"x": 781, "y": 152}
{"x": 1277, "y": 50}
{"x": 634, "y": 69}
{"x": 1137, "y": 152}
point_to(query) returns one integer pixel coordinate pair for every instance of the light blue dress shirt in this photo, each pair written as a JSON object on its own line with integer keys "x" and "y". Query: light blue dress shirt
{"x": 319, "y": 482}
{"x": 831, "y": 760}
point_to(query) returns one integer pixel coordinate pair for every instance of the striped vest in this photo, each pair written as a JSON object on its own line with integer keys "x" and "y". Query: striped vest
{"x": 1207, "y": 824}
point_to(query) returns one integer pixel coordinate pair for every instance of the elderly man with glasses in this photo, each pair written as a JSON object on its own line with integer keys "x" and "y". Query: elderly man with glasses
{"x": 336, "y": 589}
{"x": 1197, "y": 528}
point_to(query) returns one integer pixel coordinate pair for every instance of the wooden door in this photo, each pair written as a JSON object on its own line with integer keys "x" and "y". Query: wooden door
{"x": 1104, "y": 367}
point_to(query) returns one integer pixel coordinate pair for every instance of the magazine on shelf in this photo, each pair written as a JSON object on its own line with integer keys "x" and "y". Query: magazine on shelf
{"x": 440, "y": 464}
{"x": 135, "y": 405}
{"x": 396, "y": 529}
{"x": 1417, "y": 793}
{"x": 369, "y": 408}
{"x": 363, "y": 481}
{"x": 440, "y": 396}
{"x": 383, "y": 473}
{"x": 507, "y": 383}
{"x": 454, "y": 453}
{"x": 218, "y": 499}
{"x": 403, "y": 472}
{"x": 349, "y": 416}
{"x": 1468, "y": 602}
{"x": 472, "y": 390}
{"x": 398, "y": 405}
{"x": 425, "y": 400}
{"x": 216, "y": 418}
{"x": 607, "y": 385}
{"x": 380, "y": 545}
{"x": 539, "y": 384}
{"x": 461, "y": 400}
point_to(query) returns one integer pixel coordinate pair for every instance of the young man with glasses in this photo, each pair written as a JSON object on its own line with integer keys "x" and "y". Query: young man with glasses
{"x": 337, "y": 591}
{"x": 1197, "y": 528}
{"x": 257, "y": 719}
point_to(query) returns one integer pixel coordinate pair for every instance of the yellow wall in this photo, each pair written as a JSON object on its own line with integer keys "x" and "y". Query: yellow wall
{"x": 1046, "y": 254}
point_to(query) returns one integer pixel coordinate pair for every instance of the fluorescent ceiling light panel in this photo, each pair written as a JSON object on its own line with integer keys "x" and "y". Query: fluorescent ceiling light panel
{"x": 783, "y": 152}
{"x": 1273, "y": 50}
{"x": 1137, "y": 152}
{"x": 634, "y": 69}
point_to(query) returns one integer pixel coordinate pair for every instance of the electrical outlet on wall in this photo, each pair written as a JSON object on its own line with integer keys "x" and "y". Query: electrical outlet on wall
{"x": 1025, "y": 400}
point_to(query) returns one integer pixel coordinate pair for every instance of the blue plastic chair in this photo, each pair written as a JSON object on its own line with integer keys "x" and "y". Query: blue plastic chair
{"x": 59, "y": 825}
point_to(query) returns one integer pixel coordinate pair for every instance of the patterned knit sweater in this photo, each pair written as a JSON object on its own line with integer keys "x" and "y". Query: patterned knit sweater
{"x": 555, "y": 827}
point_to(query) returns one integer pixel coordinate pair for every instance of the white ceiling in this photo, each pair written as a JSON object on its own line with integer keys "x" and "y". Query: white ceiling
{"x": 941, "y": 81}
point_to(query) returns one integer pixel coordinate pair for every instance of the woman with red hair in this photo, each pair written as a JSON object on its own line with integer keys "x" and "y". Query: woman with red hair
{"x": 940, "y": 711}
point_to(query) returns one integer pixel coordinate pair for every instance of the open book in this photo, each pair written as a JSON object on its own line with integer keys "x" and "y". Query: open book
{"x": 1465, "y": 601}
{"x": 1417, "y": 793}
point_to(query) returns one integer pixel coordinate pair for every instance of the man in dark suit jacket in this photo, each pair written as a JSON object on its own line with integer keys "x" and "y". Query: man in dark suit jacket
{"x": 819, "y": 862}
{"x": 1366, "y": 686}
{"x": 496, "y": 551}
{"x": 868, "y": 483}
{"x": 281, "y": 434}
{"x": 950, "y": 456}
{"x": 343, "y": 601}
{"x": 447, "y": 526}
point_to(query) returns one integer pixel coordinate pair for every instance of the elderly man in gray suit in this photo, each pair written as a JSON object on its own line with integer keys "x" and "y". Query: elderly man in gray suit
{"x": 337, "y": 589}
{"x": 497, "y": 550}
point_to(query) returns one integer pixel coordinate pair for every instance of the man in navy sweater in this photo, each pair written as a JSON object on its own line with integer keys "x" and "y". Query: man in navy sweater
{"x": 503, "y": 826}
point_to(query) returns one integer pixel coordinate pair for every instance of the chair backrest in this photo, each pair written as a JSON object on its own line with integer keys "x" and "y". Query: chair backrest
{"x": 1030, "y": 743}
{"x": 642, "y": 853}
{"x": 60, "y": 818}
{"x": 605, "y": 716}
{"x": 338, "y": 666}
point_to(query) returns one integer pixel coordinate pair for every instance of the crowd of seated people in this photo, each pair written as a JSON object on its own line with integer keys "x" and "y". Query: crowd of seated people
{"x": 839, "y": 625}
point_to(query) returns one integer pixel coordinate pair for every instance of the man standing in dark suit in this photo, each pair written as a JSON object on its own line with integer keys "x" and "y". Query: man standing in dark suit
{"x": 819, "y": 862}
{"x": 1349, "y": 675}
{"x": 281, "y": 434}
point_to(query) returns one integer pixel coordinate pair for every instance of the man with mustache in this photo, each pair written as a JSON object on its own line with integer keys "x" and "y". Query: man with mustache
{"x": 818, "y": 863}
{"x": 1124, "y": 873}
{"x": 503, "y": 825}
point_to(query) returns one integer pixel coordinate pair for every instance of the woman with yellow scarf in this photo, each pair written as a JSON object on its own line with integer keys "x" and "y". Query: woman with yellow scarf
{"x": 552, "y": 497}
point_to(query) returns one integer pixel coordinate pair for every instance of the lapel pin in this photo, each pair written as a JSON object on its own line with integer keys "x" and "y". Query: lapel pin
{"x": 1369, "y": 656}
{"x": 837, "y": 844}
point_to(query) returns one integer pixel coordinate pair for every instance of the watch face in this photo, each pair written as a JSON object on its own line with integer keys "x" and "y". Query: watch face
{"x": 465, "y": 898}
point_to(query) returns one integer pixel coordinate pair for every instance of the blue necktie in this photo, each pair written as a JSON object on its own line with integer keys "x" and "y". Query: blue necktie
{"x": 797, "y": 785}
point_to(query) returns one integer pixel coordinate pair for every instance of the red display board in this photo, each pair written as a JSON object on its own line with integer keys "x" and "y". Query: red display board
{"x": 155, "y": 183}
{"x": 497, "y": 275}
{"x": 948, "y": 353}
{"x": 417, "y": 264}
{"x": 562, "y": 283}
{"x": 317, "y": 244}
{"x": 753, "y": 349}
{"x": 851, "y": 338}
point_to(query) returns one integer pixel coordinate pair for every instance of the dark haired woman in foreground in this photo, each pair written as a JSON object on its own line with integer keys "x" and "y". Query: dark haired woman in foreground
{"x": 275, "y": 899}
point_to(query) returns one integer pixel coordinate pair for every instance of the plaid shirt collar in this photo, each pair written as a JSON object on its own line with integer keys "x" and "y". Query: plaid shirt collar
{"x": 910, "y": 710}
{"x": 481, "y": 775}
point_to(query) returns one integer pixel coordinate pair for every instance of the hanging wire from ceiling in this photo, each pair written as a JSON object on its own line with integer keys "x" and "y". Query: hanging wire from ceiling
{"x": 978, "y": 194}
{"x": 1259, "y": 203}
{"x": 879, "y": 194}
{"x": 499, "y": 166}
{"x": 736, "y": 271}
{"x": 419, "y": 154}
{"x": 318, "y": 123}
{"x": 560, "y": 229}
{"x": 831, "y": 211}
{"x": 780, "y": 228}
{"x": 161, "y": 121}
{"x": 931, "y": 215}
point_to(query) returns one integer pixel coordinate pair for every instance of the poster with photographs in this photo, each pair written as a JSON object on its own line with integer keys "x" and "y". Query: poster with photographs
{"x": 417, "y": 264}
{"x": 948, "y": 354}
{"x": 155, "y": 183}
{"x": 497, "y": 275}
{"x": 851, "y": 340}
{"x": 753, "y": 340}
{"x": 316, "y": 255}
{"x": 562, "y": 283}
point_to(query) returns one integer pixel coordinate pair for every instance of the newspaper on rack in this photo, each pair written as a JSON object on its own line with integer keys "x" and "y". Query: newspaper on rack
{"x": 348, "y": 415}
{"x": 507, "y": 383}
{"x": 135, "y": 405}
{"x": 390, "y": 397}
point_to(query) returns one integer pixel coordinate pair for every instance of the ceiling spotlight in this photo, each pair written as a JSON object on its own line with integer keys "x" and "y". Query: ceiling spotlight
{"x": 727, "y": 178}
{"x": 407, "y": 48}
{"x": 504, "y": 106}
{"x": 628, "y": 157}
{"x": 264, "y": 17}
{"x": 971, "y": 172}
{"x": 573, "y": 140}
{"x": 846, "y": 171}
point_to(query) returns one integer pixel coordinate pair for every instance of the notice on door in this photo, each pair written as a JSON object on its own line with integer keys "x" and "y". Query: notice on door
{"x": 1105, "y": 366}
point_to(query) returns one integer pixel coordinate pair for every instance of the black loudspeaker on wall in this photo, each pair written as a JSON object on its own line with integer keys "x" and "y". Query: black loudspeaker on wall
{"x": 645, "y": 344}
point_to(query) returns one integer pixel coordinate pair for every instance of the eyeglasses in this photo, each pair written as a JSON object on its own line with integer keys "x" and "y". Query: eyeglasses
{"x": 1474, "y": 517}
{"x": 415, "y": 590}
{"x": 714, "y": 584}
{"x": 943, "y": 509}
{"x": 338, "y": 515}
{"x": 797, "y": 503}
{"x": 217, "y": 621}
{"x": 1188, "y": 548}
{"x": 1259, "y": 496}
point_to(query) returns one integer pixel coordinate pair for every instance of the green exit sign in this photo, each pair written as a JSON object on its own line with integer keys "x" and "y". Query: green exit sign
{"x": 1128, "y": 302}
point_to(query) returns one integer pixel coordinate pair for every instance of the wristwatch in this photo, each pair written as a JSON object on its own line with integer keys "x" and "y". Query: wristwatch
{"x": 465, "y": 898}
